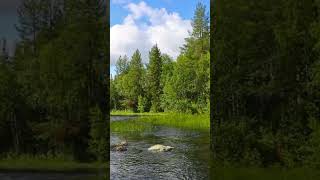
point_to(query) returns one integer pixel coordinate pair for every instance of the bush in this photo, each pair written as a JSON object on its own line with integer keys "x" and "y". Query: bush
{"x": 312, "y": 147}
{"x": 98, "y": 144}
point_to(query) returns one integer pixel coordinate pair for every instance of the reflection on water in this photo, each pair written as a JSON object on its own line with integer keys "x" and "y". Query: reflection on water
{"x": 188, "y": 159}
{"x": 120, "y": 118}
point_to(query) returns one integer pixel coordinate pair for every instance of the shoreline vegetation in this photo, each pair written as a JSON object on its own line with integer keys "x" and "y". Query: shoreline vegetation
{"x": 146, "y": 121}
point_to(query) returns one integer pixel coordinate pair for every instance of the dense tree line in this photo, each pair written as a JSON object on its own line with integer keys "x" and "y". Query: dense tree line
{"x": 53, "y": 90}
{"x": 164, "y": 84}
{"x": 265, "y": 84}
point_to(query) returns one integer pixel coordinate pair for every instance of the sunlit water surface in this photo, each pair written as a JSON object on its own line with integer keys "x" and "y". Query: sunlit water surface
{"x": 188, "y": 159}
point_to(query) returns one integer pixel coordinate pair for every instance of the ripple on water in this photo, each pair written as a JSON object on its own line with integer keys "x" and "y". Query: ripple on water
{"x": 122, "y": 118}
{"x": 185, "y": 161}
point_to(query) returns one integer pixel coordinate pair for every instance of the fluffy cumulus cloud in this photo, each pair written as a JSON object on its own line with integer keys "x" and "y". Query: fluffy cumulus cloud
{"x": 145, "y": 26}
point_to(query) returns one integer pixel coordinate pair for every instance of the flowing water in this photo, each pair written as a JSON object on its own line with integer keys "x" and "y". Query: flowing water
{"x": 188, "y": 159}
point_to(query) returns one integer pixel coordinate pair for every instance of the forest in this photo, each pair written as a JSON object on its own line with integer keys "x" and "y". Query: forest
{"x": 265, "y": 85}
{"x": 53, "y": 88}
{"x": 255, "y": 69}
{"x": 165, "y": 84}
{"x": 159, "y": 123}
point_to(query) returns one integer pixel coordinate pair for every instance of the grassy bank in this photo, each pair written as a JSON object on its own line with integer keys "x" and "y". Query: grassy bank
{"x": 45, "y": 164}
{"x": 128, "y": 127}
{"x": 182, "y": 121}
{"x": 199, "y": 122}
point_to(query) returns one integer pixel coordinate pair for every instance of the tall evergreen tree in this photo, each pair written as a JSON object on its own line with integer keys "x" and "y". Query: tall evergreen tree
{"x": 134, "y": 80}
{"x": 154, "y": 78}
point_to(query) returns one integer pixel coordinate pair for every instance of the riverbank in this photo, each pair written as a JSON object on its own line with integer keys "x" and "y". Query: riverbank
{"x": 36, "y": 164}
{"x": 198, "y": 122}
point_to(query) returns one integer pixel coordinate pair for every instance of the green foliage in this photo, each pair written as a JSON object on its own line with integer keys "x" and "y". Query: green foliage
{"x": 56, "y": 75}
{"x": 130, "y": 127}
{"x": 129, "y": 82}
{"x": 122, "y": 65}
{"x": 114, "y": 96}
{"x": 200, "y": 22}
{"x": 98, "y": 143}
{"x": 154, "y": 78}
{"x": 168, "y": 85}
{"x": 141, "y": 104}
{"x": 198, "y": 122}
{"x": 148, "y": 121}
{"x": 8, "y": 96}
{"x": 265, "y": 88}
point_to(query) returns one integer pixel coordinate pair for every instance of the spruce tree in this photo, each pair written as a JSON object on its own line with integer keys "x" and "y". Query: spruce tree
{"x": 154, "y": 78}
{"x": 134, "y": 80}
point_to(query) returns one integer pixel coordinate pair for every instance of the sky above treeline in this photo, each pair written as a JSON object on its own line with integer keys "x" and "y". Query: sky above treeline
{"x": 137, "y": 24}
{"x": 134, "y": 24}
{"x": 8, "y": 18}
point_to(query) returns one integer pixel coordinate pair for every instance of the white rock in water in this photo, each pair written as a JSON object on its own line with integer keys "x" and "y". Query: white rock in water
{"x": 160, "y": 148}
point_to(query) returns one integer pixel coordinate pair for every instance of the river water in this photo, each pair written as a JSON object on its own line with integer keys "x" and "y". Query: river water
{"x": 188, "y": 159}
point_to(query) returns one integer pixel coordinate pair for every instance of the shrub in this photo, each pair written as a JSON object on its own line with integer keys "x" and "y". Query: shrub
{"x": 98, "y": 144}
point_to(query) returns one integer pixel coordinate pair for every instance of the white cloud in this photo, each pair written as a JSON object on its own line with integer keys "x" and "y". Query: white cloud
{"x": 145, "y": 26}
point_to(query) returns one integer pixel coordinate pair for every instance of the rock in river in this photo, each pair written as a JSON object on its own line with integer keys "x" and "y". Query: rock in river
{"x": 160, "y": 148}
{"x": 122, "y": 146}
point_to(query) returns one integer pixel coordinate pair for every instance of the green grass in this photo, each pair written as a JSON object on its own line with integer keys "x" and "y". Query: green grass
{"x": 182, "y": 121}
{"x": 130, "y": 126}
{"x": 43, "y": 164}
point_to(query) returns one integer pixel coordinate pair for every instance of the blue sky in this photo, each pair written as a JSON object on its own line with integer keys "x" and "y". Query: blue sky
{"x": 137, "y": 24}
{"x": 184, "y": 7}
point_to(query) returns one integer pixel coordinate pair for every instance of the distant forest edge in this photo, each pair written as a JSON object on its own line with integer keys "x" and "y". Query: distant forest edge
{"x": 266, "y": 83}
{"x": 164, "y": 84}
{"x": 53, "y": 90}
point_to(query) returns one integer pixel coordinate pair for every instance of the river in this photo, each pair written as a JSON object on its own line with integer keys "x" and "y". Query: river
{"x": 188, "y": 159}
